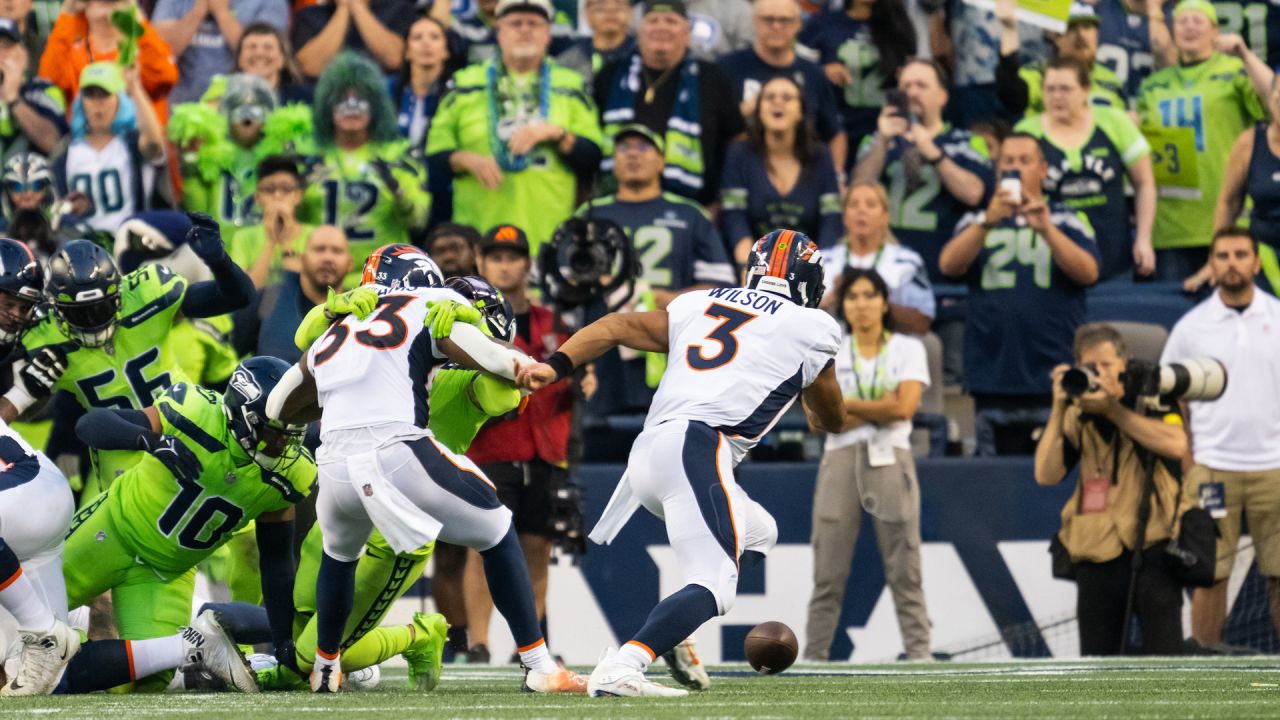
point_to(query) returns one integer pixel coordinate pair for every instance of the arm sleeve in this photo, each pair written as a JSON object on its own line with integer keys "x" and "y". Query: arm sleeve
{"x": 107, "y": 429}
{"x": 228, "y": 291}
{"x": 1011, "y": 88}
{"x": 275, "y": 562}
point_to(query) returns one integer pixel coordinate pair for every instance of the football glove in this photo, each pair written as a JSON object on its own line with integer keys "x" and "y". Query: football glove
{"x": 441, "y": 316}
{"x": 36, "y": 377}
{"x": 205, "y": 238}
{"x": 359, "y": 302}
{"x": 174, "y": 455}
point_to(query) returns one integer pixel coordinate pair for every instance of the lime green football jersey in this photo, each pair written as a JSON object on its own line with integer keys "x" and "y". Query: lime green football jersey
{"x": 1216, "y": 101}
{"x": 171, "y": 526}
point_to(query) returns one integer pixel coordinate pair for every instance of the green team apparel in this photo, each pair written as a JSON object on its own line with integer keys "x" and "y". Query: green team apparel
{"x": 345, "y": 189}
{"x": 473, "y": 116}
{"x": 204, "y": 351}
{"x": 130, "y": 371}
{"x": 229, "y": 197}
{"x": 1216, "y": 103}
{"x": 143, "y": 537}
{"x": 245, "y": 246}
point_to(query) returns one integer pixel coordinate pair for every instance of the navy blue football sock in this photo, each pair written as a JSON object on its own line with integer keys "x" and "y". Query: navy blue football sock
{"x": 100, "y": 665}
{"x": 676, "y": 617}
{"x": 335, "y": 592}
{"x": 247, "y": 624}
{"x": 512, "y": 593}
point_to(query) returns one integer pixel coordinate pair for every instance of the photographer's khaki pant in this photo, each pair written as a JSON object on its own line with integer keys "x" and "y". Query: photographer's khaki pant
{"x": 847, "y": 485}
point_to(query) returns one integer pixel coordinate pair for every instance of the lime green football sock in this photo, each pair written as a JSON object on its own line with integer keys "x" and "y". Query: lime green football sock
{"x": 379, "y": 645}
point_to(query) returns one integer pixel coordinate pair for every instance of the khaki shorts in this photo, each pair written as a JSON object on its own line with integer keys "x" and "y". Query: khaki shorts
{"x": 1258, "y": 495}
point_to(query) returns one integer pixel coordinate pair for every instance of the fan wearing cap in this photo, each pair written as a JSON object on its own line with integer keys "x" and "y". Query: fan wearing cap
{"x": 31, "y": 110}
{"x": 1018, "y": 85}
{"x": 479, "y": 31}
{"x": 363, "y": 178}
{"x": 218, "y": 177}
{"x": 686, "y": 100}
{"x": 202, "y": 34}
{"x": 518, "y": 130}
{"x": 115, "y": 159}
{"x": 85, "y": 34}
{"x": 1215, "y": 96}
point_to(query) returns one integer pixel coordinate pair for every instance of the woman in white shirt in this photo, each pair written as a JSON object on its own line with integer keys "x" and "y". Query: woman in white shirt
{"x": 869, "y": 467}
{"x": 868, "y": 244}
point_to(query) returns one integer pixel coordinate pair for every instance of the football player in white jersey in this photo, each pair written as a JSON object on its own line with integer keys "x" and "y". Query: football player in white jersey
{"x": 31, "y": 584}
{"x": 738, "y": 358}
{"x": 381, "y": 467}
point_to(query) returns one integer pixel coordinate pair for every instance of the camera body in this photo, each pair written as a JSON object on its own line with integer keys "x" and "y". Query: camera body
{"x": 586, "y": 261}
{"x": 1195, "y": 379}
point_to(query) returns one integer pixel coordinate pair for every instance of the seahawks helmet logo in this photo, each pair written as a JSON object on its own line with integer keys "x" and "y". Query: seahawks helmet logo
{"x": 243, "y": 382}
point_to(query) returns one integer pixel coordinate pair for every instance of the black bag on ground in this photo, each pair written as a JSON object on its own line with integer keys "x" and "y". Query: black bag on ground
{"x": 1193, "y": 555}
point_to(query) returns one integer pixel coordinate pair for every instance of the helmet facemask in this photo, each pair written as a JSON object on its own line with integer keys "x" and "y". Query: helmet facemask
{"x": 91, "y": 324}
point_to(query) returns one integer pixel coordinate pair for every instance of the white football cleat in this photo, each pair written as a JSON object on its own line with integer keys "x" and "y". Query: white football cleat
{"x": 562, "y": 680}
{"x": 685, "y": 666}
{"x": 209, "y": 646}
{"x": 364, "y": 679}
{"x": 612, "y": 680}
{"x": 44, "y": 658}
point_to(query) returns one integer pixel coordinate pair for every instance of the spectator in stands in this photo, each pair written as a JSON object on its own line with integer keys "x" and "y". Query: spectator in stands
{"x": 453, "y": 248}
{"x": 777, "y": 24}
{"x": 1210, "y": 94}
{"x": 30, "y": 35}
{"x": 861, "y": 50}
{"x": 1133, "y": 40}
{"x": 116, "y": 155}
{"x": 480, "y": 37}
{"x": 26, "y": 202}
{"x": 686, "y": 100}
{"x": 526, "y": 456}
{"x": 37, "y": 114}
{"x": 1091, "y": 150}
{"x": 610, "y": 39}
{"x": 84, "y": 34}
{"x": 975, "y": 36}
{"x": 363, "y": 179}
{"x": 935, "y": 172}
{"x": 1251, "y": 167}
{"x": 1237, "y": 461}
{"x": 679, "y": 248}
{"x": 1019, "y": 86}
{"x": 716, "y": 27}
{"x": 277, "y": 242}
{"x": 869, "y": 244}
{"x": 781, "y": 176}
{"x": 431, "y": 56}
{"x": 373, "y": 27}
{"x": 521, "y": 166}
{"x": 1027, "y": 261}
{"x": 202, "y": 34}
{"x": 869, "y": 467}
{"x": 264, "y": 51}
{"x": 321, "y": 266}
{"x": 1110, "y": 441}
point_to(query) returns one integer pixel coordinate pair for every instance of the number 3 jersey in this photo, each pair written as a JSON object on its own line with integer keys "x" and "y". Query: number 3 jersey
{"x": 374, "y": 371}
{"x": 1023, "y": 310}
{"x": 171, "y": 526}
{"x": 738, "y": 359}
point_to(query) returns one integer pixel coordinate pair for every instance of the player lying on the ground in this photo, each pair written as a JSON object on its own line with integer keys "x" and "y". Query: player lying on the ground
{"x": 381, "y": 467}
{"x": 211, "y": 465}
{"x": 461, "y": 401}
{"x": 114, "y": 329}
{"x": 31, "y": 587}
{"x": 738, "y": 358}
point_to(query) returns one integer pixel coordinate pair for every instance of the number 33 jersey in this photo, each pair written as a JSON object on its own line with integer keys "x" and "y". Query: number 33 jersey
{"x": 171, "y": 526}
{"x": 738, "y": 359}
{"x": 374, "y": 371}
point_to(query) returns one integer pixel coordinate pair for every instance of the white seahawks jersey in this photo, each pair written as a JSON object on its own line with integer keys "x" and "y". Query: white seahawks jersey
{"x": 374, "y": 371}
{"x": 106, "y": 176}
{"x": 738, "y": 359}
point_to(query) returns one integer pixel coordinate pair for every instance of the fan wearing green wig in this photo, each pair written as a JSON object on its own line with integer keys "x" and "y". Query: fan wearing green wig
{"x": 362, "y": 176}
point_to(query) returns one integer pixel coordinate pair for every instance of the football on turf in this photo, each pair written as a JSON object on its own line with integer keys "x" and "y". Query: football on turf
{"x": 771, "y": 647}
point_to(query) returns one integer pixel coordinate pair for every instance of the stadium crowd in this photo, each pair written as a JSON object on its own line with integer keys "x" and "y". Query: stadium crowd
{"x": 971, "y": 178}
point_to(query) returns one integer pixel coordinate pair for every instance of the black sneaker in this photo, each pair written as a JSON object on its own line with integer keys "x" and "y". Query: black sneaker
{"x": 478, "y": 655}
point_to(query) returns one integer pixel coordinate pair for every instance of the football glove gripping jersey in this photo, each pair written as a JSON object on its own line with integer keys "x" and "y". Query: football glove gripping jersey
{"x": 441, "y": 316}
{"x": 359, "y": 302}
{"x": 36, "y": 377}
{"x": 174, "y": 455}
{"x": 497, "y": 312}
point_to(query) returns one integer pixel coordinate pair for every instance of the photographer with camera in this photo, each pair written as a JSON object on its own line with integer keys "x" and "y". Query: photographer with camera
{"x": 1099, "y": 427}
{"x": 1233, "y": 441}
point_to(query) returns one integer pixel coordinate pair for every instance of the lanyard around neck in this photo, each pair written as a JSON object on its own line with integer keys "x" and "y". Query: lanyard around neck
{"x": 879, "y": 369}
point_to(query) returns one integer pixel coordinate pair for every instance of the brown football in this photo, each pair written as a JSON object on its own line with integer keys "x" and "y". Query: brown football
{"x": 771, "y": 647}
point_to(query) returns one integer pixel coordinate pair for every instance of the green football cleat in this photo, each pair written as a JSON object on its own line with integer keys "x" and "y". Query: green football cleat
{"x": 426, "y": 656}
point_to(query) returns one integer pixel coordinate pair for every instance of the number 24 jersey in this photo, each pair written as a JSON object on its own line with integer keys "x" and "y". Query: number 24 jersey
{"x": 738, "y": 359}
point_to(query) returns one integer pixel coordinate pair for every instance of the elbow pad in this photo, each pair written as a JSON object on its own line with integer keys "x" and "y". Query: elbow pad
{"x": 489, "y": 355}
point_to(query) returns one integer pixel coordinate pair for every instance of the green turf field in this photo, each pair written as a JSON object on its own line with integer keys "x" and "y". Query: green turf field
{"x": 1164, "y": 689}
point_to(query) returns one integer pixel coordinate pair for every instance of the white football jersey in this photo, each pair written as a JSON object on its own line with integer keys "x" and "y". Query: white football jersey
{"x": 374, "y": 371}
{"x": 106, "y": 176}
{"x": 738, "y": 359}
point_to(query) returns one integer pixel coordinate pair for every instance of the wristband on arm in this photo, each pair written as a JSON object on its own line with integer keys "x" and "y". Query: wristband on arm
{"x": 561, "y": 364}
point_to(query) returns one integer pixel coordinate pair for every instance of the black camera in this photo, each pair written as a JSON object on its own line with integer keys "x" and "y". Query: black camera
{"x": 1202, "y": 379}
{"x": 586, "y": 261}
